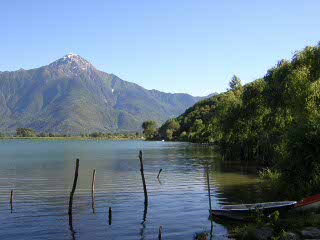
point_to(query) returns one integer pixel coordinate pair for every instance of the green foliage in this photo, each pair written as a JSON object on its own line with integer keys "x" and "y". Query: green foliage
{"x": 235, "y": 83}
{"x": 183, "y": 136}
{"x": 96, "y": 135}
{"x": 283, "y": 235}
{"x": 101, "y": 135}
{"x": 274, "y": 218}
{"x": 201, "y": 236}
{"x": 245, "y": 232}
{"x": 298, "y": 221}
{"x": 291, "y": 222}
{"x": 273, "y": 121}
{"x": 170, "y": 129}
{"x": 150, "y": 129}
{"x": 25, "y": 132}
{"x": 268, "y": 175}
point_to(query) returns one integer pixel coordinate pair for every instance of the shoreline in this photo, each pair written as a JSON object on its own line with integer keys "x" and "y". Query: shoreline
{"x": 69, "y": 138}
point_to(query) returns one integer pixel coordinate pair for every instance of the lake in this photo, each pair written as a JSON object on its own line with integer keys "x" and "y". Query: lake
{"x": 41, "y": 175}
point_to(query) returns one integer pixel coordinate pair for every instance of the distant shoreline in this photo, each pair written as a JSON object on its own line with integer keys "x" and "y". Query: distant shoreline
{"x": 71, "y": 138}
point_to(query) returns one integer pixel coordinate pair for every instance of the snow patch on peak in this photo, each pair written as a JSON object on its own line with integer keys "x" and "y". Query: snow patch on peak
{"x": 112, "y": 90}
{"x": 71, "y": 56}
{"x": 72, "y": 61}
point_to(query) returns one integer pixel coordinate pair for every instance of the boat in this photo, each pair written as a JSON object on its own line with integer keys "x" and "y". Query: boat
{"x": 245, "y": 212}
{"x": 310, "y": 203}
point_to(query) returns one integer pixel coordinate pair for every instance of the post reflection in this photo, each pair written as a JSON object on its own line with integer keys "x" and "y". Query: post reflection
{"x": 72, "y": 231}
{"x": 93, "y": 203}
{"x": 143, "y": 223}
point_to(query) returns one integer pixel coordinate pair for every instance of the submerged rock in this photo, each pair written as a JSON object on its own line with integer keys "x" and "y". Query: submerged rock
{"x": 264, "y": 233}
{"x": 291, "y": 236}
{"x": 311, "y": 233}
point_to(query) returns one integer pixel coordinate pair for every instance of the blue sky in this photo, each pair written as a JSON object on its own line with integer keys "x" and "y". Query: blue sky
{"x": 175, "y": 46}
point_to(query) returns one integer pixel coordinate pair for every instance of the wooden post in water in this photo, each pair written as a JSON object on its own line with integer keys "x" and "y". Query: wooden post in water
{"x": 143, "y": 180}
{"x": 110, "y": 215}
{"x": 11, "y": 200}
{"x": 159, "y": 173}
{"x": 93, "y": 182}
{"x": 74, "y": 186}
{"x": 160, "y": 233}
{"x": 92, "y": 190}
{"x": 209, "y": 194}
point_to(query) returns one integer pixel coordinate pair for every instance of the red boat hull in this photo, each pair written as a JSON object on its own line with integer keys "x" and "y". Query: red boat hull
{"x": 309, "y": 203}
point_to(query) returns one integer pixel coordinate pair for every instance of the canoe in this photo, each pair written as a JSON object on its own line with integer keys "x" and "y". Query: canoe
{"x": 310, "y": 203}
{"x": 244, "y": 212}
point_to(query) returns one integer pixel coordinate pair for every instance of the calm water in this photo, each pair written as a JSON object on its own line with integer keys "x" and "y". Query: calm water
{"x": 41, "y": 175}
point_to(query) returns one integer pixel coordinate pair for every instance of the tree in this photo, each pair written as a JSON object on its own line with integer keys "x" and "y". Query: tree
{"x": 42, "y": 134}
{"x": 173, "y": 125}
{"x": 183, "y": 136}
{"x": 170, "y": 129}
{"x": 235, "y": 83}
{"x": 149, "y": 129}
{"x": 169, "y": 134}
{"x": 273, "y": 121}
{"x": 25, "y": 132}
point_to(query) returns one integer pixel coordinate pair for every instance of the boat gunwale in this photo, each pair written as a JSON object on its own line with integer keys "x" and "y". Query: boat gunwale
{"x": 257, "y": 206}
{"x": 308, "y": 201}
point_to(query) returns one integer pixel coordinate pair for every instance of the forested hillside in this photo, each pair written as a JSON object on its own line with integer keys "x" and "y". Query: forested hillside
{"x": 273, "y": 121}
{"x": 70, "y": 96}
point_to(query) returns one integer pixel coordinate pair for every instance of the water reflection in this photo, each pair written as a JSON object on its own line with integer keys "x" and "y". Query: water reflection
{"x": 92, "y": 191}
{"x": 93, "y": 203}
{"x": 42, "y": 174}
{"x": 72, "y": 231}
{"x": 144, "y": 221}
{"x": 11, "y": 201}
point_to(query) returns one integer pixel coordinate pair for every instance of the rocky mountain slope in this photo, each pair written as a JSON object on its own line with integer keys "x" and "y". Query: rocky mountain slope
{"x": 71, "y": 96}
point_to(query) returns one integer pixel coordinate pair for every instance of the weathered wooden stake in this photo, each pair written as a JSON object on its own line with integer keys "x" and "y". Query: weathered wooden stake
{"x": 160, "y": 233}
{"x": 143, "y": 179}
{"x": 11, "y": 200}
{"x": 93, "y": 181}
{"x": 110, "y": 215}
{"x": 159, "y": 173}
{"x": 92, "y": 190}
{"x": 73, "y": 232}
{"x": 93, "y": 204}
{"x": 209, "y": 194}
{"x": 73, "y": 187}
{"x": 145, "y": 212}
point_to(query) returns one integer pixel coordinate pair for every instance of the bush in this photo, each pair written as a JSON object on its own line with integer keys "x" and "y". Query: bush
{"x": 25, "y": 132}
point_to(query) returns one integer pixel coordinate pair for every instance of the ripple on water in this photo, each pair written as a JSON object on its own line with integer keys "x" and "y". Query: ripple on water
{"x": 41, "y": 175}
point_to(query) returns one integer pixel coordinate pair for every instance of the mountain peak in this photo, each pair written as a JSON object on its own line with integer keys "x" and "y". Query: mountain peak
{"x": 72, "y": 56}
{"x": 73, "y": 62}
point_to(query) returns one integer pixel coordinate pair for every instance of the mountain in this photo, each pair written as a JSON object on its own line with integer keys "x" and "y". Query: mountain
{"x": 71, "y": 96}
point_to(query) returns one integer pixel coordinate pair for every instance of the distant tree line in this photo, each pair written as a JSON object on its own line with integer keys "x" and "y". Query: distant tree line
{"x": 111, "y": 135}
{"x": 30, "y": 133}
{"x": 273, "y": 121}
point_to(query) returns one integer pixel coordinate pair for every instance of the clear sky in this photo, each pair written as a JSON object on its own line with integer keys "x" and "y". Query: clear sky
{"x": 192, "y": 46}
